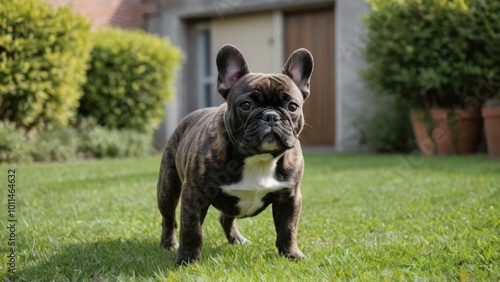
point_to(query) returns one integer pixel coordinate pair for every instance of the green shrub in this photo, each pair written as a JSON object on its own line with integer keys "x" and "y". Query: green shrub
{"x": 100, "y": 142}
{"x": 14, "y": 146}
{"x": 389, "y": 130}
{"x": 433, "y": 53}
{"x": 136, "y": 143}
{"x": 43, "y": 58}
{"x": 87, "y": 140}
{"x": 55, "y": 145}
{"x": 129, "y": 79}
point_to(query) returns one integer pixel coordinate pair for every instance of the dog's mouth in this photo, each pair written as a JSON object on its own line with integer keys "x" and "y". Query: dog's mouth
{"x": 261, "y": 136}
{"x": 271, "y": 143}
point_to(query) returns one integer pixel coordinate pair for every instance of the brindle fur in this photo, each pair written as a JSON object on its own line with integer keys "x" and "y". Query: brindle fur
{"x": 205, "y": 153}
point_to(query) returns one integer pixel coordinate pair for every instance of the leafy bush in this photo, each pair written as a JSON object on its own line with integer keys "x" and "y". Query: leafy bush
{"x": 14, "y": 146}
{"x": 43, "y": 58}
{"x": 87, "y": 140}
{"x": 55, "y": 145}
{"x": 100, "y": 142}
{"x": 129, "y": 79}
{"x": 433, "y": 53}
{"x": 48, "y": 145}
{"x": 389, "y": 130}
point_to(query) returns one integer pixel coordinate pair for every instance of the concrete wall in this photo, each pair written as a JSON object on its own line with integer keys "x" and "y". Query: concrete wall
{"x": 223, "y": 8}
{"x": 352, "y": 96}
{"x": 171, "y": 25}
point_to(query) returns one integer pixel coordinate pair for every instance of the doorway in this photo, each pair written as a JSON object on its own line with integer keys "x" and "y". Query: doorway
{"x": 314, "y": 30}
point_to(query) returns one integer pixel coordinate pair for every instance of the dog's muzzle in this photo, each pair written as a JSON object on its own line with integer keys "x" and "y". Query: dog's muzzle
{"x": 268, "y": 132}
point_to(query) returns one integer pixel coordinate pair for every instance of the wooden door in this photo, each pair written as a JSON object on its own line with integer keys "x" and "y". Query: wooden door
{"x": 314, "y": 30}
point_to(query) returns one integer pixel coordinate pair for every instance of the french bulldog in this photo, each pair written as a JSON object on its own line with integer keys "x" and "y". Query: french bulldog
{"x": 239, "y": 157}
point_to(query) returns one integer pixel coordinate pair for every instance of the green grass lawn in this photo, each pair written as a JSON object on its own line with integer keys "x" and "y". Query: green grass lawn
{"x": 364, "y": 218}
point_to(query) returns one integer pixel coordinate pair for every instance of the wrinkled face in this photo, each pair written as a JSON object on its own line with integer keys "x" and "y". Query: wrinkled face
{"x": 264, "y": 113}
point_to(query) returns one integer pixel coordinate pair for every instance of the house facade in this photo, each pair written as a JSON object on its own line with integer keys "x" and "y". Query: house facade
{"x": 267, "y": 32}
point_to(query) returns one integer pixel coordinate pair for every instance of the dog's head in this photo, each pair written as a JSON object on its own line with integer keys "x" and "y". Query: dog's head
{"x": 264, "y": 111}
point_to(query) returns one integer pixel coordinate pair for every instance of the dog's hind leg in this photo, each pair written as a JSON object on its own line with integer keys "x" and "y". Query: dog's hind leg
{"x": 168, "y": 194}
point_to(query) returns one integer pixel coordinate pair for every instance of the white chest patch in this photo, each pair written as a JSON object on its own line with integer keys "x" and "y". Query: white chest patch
{"x": 257, "y": 181}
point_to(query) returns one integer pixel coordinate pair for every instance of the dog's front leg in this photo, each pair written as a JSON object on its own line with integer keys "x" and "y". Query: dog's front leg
{"x": 194, "y": 208}
{"x": 286, "y": 213}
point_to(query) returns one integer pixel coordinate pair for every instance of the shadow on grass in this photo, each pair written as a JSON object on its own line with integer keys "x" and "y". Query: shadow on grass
{"x": 102, "y": 260}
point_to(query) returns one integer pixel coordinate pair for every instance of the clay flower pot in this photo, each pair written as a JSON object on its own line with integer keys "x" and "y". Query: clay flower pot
{"x": 459, "y": 133}
{"x": 491, "y": 116}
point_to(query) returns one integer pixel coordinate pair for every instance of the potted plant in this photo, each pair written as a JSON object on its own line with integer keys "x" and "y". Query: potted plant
{"x": 431, "y": 54}
{"x": 491, "y": 82}
{"x": 491, "y": 115}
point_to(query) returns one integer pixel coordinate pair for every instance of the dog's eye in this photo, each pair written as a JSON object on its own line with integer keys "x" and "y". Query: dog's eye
{"x": 292, "y": 107}
{"x": 246, "y": 106}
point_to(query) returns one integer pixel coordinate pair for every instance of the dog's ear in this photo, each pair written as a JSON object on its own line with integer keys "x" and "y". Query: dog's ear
{"x": 231, "y": 66}
{"x": 299, "y": 68}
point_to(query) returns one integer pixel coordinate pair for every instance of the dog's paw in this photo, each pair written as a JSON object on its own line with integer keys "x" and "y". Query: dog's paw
{"x": 294, "y": 255}
{"x": 169, "y": 245}
{"x": 240, "y": 241}
{"x": 185, "y": 258}
{"x": 298, "y": 256}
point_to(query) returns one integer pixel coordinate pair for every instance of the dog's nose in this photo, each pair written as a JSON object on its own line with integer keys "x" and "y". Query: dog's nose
{"x": 271, "y": 118}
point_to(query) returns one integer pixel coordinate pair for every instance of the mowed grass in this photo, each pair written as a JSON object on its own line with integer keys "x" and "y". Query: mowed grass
{"x": 364, "y": 218}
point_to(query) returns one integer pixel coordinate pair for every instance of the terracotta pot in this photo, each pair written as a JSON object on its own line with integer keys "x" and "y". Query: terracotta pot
{"x": 444, "y": 142}
{"x": 491, "y": 117}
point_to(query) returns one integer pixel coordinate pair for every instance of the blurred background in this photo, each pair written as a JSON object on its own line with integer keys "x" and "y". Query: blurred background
{"x": 99, "y": 79}
{"x": 382, "y": 69}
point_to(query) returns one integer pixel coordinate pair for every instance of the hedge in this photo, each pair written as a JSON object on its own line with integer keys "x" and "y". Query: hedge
{"x": 55, "y": 145}
{"x": 129, "y": 79}
{"x": 43, "y": 59}
{"x": 87, "y": 139}
{"x": 99, "y": 142}
{"x": 433, "y": 53}
{"x": 14, "y": 146}
{"x": 388, "y": 130}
